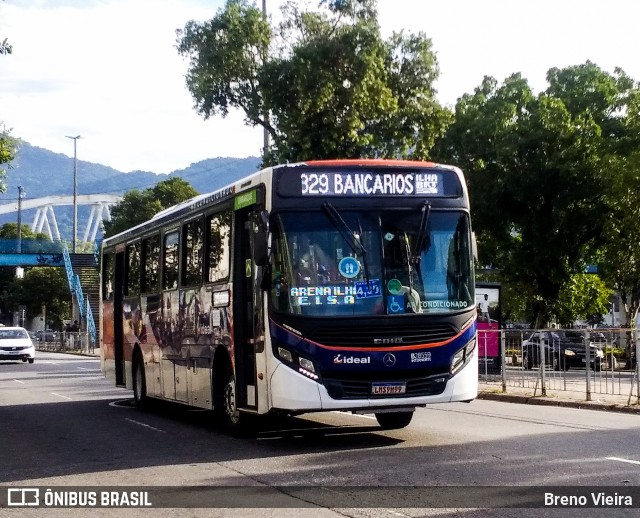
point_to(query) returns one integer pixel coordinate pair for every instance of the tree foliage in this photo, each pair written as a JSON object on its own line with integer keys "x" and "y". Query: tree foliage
{"x": 621, "y": 253}
{"x": 8, "y": 148}
{"x": 8, "y": 144}
{"x": 323, "y": 84}
{"x": 539, "y": 172}
{"x": 582, "y": 296}
{"x": 40, "y": 286}
{"x": 139, "y": 206}
{"x": 10, "y": 231}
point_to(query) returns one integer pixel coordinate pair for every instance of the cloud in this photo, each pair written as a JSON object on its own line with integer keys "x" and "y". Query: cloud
{"x": 111, "y": 73}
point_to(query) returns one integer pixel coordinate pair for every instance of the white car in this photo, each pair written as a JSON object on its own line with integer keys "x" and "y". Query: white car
{"x": 16, "y": 344}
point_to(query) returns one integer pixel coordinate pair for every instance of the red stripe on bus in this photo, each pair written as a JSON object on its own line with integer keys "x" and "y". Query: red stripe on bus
{"x": 370, "y": 162}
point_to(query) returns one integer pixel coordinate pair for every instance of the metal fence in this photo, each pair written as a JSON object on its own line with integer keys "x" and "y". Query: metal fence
{"x": 65, "y": 342}
{"x": 589, "y": 361}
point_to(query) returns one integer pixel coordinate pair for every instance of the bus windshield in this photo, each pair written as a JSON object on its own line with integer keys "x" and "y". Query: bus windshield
{"x": 356, "y": 263}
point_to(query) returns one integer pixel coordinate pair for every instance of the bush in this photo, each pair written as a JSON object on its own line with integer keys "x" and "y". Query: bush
{"x": 617, "y": 352}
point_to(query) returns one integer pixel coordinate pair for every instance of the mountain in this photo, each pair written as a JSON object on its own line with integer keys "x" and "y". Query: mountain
{"x": 41, "y": 173}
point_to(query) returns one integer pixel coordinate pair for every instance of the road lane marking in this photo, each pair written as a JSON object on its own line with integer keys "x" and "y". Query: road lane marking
{"x": 144, "y": 424}
{"x": 623, "y": 460}
{"x": 60, "y": 395}
{"x": 18, "y": 381}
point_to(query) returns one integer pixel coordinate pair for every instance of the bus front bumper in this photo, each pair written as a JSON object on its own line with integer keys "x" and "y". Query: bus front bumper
{"x": 291, "y": 391}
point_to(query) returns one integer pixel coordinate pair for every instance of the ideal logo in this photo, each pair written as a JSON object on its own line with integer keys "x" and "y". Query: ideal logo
{"x": 341, "y": 360}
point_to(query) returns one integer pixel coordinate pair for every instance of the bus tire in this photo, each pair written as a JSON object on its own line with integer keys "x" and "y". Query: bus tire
{"x": 139, "y": 382}
{"x": 234, "y": 421}
{"x": 394, "y": 420}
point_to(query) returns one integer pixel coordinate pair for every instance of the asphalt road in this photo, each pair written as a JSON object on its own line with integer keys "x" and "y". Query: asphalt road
{"x": 64, "y": 425}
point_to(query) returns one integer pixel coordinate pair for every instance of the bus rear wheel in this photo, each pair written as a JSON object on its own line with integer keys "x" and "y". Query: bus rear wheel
{"x": 139, "y": 383}
{"x": 394, "y": 420}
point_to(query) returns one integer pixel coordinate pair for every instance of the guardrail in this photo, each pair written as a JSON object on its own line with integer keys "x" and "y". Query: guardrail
{"x": 593, "y": 361}
{"x": 76, "y": 289}
{"x": 66, "y": 342}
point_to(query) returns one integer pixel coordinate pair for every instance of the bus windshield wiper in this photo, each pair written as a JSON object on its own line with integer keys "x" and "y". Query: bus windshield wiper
{"x": 352, "y": 239}
{"x": 422, "y": 235}
{"x": 341, "y": 225}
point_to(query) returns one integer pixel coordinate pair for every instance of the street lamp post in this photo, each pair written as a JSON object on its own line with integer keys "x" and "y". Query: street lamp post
{"x": 20, "y": 194}
{"x": 75, "y": 189}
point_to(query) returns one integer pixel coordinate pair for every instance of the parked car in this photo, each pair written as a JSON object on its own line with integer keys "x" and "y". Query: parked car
{"x": 15, "y": 344}
{"x": 48, "y": 335}
{"x": 562, "y": 350}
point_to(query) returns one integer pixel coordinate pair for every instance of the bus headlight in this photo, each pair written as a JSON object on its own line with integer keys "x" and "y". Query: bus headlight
{"x": 307, "y": 368}
{"x": 285, "y": 354}
{"x": 306, "y": 364}
{"x": 293, "y": 360}
{"x": 462, "y": 357}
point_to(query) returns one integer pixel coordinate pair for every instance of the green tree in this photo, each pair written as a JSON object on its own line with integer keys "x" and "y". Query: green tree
{"x": 331, "y": 86}
{"x": 582, "y": 296}
{"x": 139, "y": 206}
{"x": 621, "y": 256}
{"x": 41, "y": 286}
{"x": 8, "y": 144}
{"x": 10, "y": 231}
{"x": 539, "y": 175}
{"x": 8, "y": 147}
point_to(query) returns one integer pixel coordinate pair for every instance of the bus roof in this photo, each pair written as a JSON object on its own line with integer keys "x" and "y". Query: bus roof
{"x": 242, "y": 183}
{"x": 368, "y": 162}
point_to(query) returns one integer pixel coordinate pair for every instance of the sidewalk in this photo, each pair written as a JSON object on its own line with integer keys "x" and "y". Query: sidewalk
{"x": 573, "y": 399}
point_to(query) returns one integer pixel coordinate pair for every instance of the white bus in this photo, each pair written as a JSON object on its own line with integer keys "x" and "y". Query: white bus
{"x": 324, "y": 285}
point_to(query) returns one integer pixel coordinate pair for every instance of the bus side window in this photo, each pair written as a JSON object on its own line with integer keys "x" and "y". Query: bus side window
{"x": 108, "y": 261}
{"x": 170, "y": 261}
{"x": 132, "y": 273}
{"x": 218, "y": 229}
{"x": 150, "y": 264}
{"x": 192, "y": 253}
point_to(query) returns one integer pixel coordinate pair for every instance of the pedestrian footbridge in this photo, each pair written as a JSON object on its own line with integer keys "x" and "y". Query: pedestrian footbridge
{"x": 45, "y": 220}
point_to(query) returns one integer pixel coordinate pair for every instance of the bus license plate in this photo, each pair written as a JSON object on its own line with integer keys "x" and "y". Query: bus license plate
{"x": 381, "y": 389}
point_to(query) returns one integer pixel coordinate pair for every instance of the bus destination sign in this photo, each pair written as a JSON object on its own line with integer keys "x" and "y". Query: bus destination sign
{"x": 420, "y": 182}
{"x": 367, "y": 184}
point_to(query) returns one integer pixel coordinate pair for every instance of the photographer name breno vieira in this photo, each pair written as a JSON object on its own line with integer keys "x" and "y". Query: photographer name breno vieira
{"x": 592, "y": 499}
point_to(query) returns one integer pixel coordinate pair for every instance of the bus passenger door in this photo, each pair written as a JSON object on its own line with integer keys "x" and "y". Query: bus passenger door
{"x": 118, "y": 327}
{"x": 248, "y": 322}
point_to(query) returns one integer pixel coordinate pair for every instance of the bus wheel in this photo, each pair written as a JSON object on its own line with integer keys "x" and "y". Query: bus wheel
{"x": 235, "y": 422}
{"x": 139, "y": 383}
{"x": 394, "y": 420}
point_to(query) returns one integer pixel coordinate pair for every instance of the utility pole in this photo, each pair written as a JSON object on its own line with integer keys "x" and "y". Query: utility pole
{"x": 75, "y": 189}
{"x": 20, "y": 194}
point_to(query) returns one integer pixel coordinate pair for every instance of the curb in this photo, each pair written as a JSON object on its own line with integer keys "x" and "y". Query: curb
{"x": 539, "y": 400}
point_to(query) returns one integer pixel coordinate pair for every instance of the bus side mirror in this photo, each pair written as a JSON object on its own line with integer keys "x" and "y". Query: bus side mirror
{"x": 261, "y": 248}
{"x": 474, "y": 246}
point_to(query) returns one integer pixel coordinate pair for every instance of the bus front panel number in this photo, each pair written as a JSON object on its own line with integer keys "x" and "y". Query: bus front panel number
{"x": 383, "y": 389}
{"x": 314, "y": 183}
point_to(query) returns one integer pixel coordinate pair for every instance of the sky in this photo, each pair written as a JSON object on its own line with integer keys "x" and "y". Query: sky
{"x": 108, "y": 70}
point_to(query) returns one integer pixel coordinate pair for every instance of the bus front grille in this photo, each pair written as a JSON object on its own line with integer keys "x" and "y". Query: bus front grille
{"x": 383, "y": 335}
